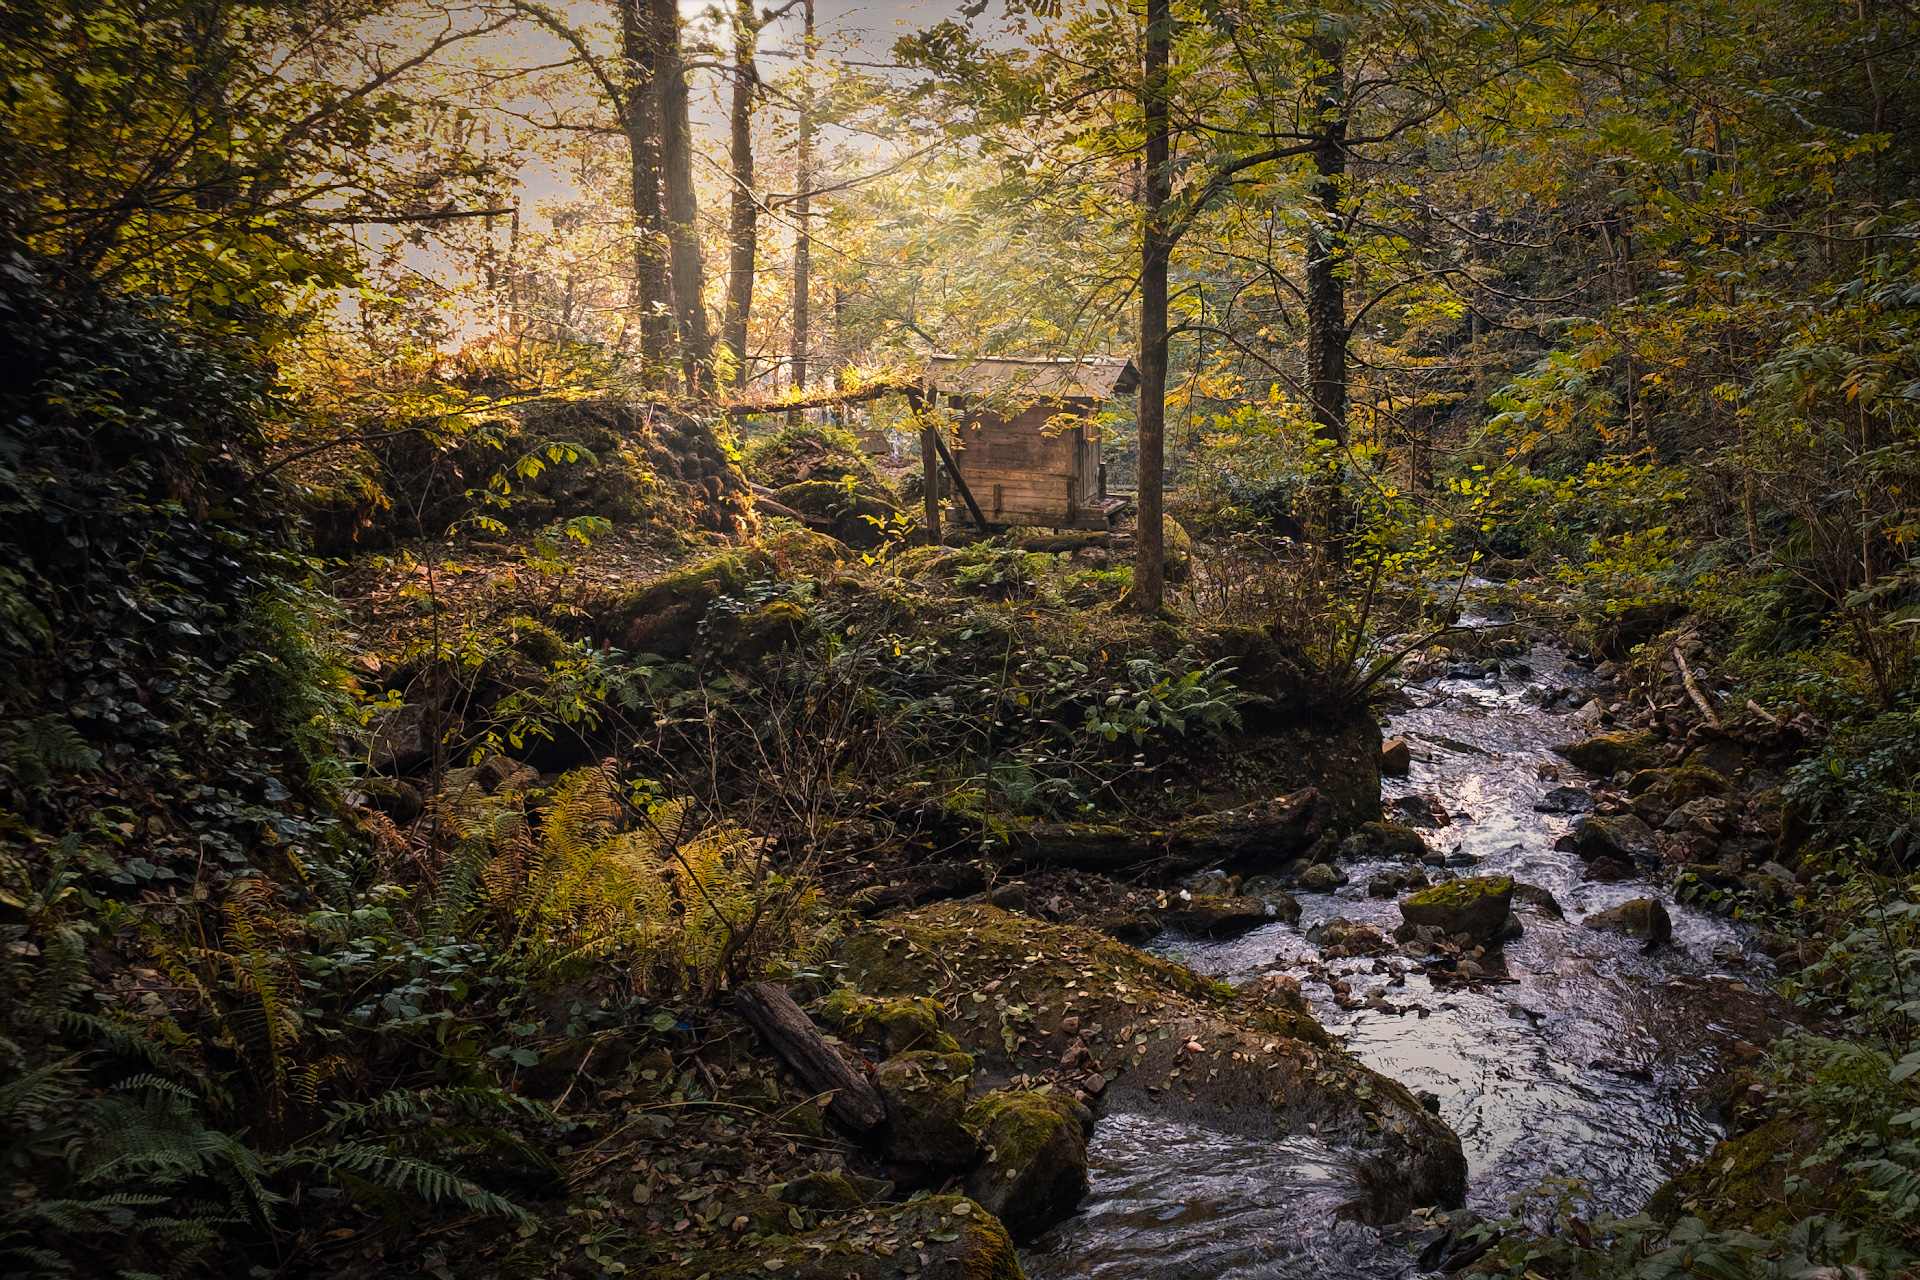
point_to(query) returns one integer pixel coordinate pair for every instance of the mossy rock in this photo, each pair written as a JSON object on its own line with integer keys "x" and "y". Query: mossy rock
{"x": 664, "y": 617}
{"x": 898, "y": 1025}
{"x": 747, "y": 637}
{"x": 1220, "y": 916}
{"x": 926, "y": 1098}
{"x": 1609, "y": 753}
{"x": 1034, "y": 1170}
{"x": 1621, "y": 836}
{"x": 539, "y": 643}
{"x": 1477, "y": 906}
{"x": 959, "y": 1239}
{"x": 1384, "y": 840}
{"x": 1743, "y": 1182}
{"x": 853, "y": 514}
{"x": 1269, "y": 1067}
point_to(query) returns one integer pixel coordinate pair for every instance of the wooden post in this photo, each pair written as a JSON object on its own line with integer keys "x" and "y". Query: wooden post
{"x": 786, "y": 1028}
{"x": 929, "y": 472}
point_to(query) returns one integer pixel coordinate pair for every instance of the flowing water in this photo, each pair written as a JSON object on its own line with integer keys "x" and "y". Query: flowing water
{"x": 1588, "y": 1064}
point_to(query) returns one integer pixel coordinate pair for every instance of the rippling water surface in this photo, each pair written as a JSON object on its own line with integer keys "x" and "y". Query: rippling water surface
{"x": 1588, "y": 1065}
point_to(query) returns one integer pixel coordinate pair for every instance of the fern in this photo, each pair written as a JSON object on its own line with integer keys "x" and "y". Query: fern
{"x": 37, "y": 749}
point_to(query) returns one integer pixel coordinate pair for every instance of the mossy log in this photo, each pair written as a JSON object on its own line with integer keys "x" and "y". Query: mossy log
{"x": 1269, "y": 832}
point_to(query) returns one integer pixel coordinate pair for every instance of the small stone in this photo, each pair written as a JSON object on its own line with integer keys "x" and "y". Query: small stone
{"x": 1643, "y": 918}
{"x": 1322, "y": 878}
{"x": 1396, "y": 757}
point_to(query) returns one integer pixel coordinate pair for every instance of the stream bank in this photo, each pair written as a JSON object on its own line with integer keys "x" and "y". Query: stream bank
{"x": 1579, "y": 1054}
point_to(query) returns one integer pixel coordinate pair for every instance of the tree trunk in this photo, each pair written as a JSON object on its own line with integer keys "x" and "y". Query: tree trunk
{"x": 1156, "y": 249}
{"x": 743, "y": 215}
{"x": 791, "y": 1034}
{"x": 802, "y": 210}
{"x": 1327, "y": 264}
{"x": 681, "y": 201}
{"x": 641, "y": 123}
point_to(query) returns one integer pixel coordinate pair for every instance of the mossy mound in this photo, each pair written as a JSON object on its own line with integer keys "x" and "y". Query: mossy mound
{"x": 1609, "y": 753}
{"x": 857, "y": 515}
{"x": 1743, "y": 1182}
{"x": 1251, "y": 1061}
{"x": 808, "y": 451}
{"x": 664, "y": 617}
{"x": 1383, "y": 840}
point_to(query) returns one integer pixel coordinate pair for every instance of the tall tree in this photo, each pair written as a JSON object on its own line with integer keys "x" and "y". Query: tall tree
{"x": 681, "y": 200}
{"x": 802, "y": 212}
{"x": 1156, "y": 253}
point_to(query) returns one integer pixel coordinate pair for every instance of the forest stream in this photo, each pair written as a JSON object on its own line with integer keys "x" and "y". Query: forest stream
{"x": 1590, "y": 1059}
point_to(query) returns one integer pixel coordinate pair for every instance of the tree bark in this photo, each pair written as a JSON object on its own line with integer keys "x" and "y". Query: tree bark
{"x": 681, "y": 201}
{"x": 771, "y": 1011}
{"x": 1326, "y": 268}
{"x": 639, "y": 120}
{"x": 802, "y": 210}
{"x": 1156, "y": 250}
{"x": 743, "y": 214}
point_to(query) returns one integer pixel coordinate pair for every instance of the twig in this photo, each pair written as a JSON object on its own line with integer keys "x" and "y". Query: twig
{"x": 1693, "y": 689}
{"x": 1763, "y": 713}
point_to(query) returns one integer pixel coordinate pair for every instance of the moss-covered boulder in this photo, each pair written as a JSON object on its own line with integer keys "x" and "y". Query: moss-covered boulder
{"x": 1166, "y": 1040}
{"x": 664, "y": 617}
{"x": 1743, "y": 1182}
{"x": 1609, "y": 753}
{"x": 1476, "y": 906}
{"x": 951, "y": 1237}
{"x": 925, "y": 1093}
{"x": 896, "y": 1025}
{"x": 1643, "y": 918}
{"x": 824, "y": 1189}
{"x": 1033, "y": 1168}
{"x": 814, "y": 451}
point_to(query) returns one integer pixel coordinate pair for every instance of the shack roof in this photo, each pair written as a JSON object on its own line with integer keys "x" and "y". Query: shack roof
{"x": 1061, "y": 378}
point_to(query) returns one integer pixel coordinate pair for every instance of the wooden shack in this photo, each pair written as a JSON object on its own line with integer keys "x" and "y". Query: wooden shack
{"x": 1021, "y": 456}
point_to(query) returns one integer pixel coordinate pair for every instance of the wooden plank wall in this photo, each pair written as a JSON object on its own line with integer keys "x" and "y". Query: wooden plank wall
{"x": 1020, "y": 475}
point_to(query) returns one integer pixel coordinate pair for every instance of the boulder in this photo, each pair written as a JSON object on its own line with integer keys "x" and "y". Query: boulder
{"x": 497, "y": 773}
{"x": 1322, "y": 878}
{"x": 1532, "y": 895}
{"x": 848, "y": 514}
{"x": 1565, "y": 800}
{"x": 1396, "y": 757}
{"x": 830, "y": 1190}
{"x": 1620, "y": 836}
{"x": 1220, "y": 916}
{"x": 1643, "y": 918}
{"x": 1477, "y": 906}
{"x": 926, "y": 1097}
{"x": 895, "y": 1026}
{"x": 1608, "y": 753}
{"x": 1034, "y": 1172}
{"x": 1134, "y": 926}
{"x": 399, "y": 739}
{"x": 1608, "y": 870}
{"x": 1383, "y": 840}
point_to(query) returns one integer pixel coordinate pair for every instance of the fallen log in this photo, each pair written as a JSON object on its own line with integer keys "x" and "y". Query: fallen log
{"x": 1259, "y": 836}
{"x": 769, "y": 1010}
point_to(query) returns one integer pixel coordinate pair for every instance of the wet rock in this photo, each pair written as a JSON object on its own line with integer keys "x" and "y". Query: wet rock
{"x": 1532, "y": 895}
{"x": 925, "y": 1093}
{"x": 1322, "y": 878}
{"x": 1418, "y": 941}
{"x": 1461, "y": 858}
{"x": 1643, "y": 918}
{"x": 1374, "y": 840}
{"x": 1474, "y": 906}
{"x": 1386, "y": 885}
{"x": 1622, "y": 837}
{"x": 1216, "y": 917}
{"x": 1423, "y": 811}
{"x": 1608, "y": 753}
{"x": 1565, "y": 800}
{"x": 399, "y": 739}
{"x": 1608, "y": 870}
{"x": 1396, "y": 757}
{"x": 1340, "y": 937}
{"x": 1034, "y": 1172}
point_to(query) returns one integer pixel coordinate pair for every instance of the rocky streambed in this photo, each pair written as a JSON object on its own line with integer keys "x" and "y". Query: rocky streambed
{"x": 1599, "y": 1045}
